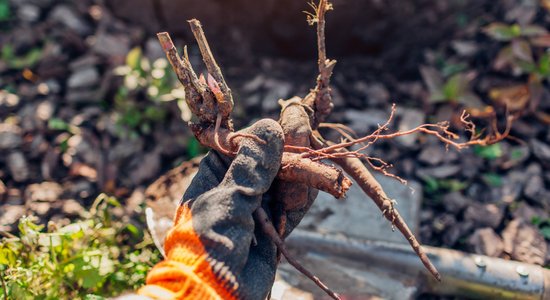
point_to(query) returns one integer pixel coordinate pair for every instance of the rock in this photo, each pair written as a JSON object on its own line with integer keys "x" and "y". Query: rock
{"x": 541, "y": 151}
{"x": 443, "y": 221}
{"x": 70, "y": 18}
{"x": 454, "y": 202}
{"x": 454, "y": 233}
{"x": 533, "y": 188}
{"x": 45, "y": 110}
{"x": 440, "y": 172}
{"x": 3, "y": 191}
{"x": 83, "y": 78}
{"x": 43, "y": 192}
{"x": 377, "y": 94}
{"x": 410, "y": 118}
{"x": 10, "y": 137}
{"x": 146, "y": 167}
{"x": 49, "y": 163}
{"x": 110, "y": 45}
{"x": 276, "y": 90}
{"x": 432, "y": 154}
{"x": 471, "y": 164}
{"x": 153, "y": 49}
{"x": 14, "y": 197}
{"x": 513, "y": 185}
{"x": 72, "y": 207}
{"x": 82, "y": 189}
{"x": 527, "y": 213}
{"x": 18, "y": 166}
{"x": 10, "y": 216}
{"x": 465, "y": 48}
{"x": 524, "y": 242}
{"x": 485, "y": 241}
{"x": 253, "y": 85}
{"x": 76, "y": 96}
{"x": 83, "y": 149}
{"x": 124, "y": 149}
{"x": 41, "y": 209}
{"x": 28, "y": 13}
{"x": 362, "y": 121}
{"x": 488, "y": 215}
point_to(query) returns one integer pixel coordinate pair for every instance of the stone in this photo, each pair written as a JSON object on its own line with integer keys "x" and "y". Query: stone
{"x": 83, "y": 78}
{"x": 455, "y": 202}
{"x": 527, "y": 212}
{"x": 145, "y": 167}
{"x": 3, "y": 191}
{"x": 10, "y": 137}
{"x": 45, "y": 110}
{"x": 465, "y": 48}
{"x": 440, "y": 172}
{"x": 110, "y": 45}
{"x": 275, "y": 90}
{"x": 43, "y": 192}
{"x": 70, "y": 18}
{"x": 72, "y": 207}
{"x": 524, "y": 242}
{"x": 484, "y": 215}
{"x": 541, "y": 151}
{"x": 485, "y": 241}
{"x": 10, "y": 215}
{"x": 377, "y": 94}
{"x": 28, "y": 13}
{"x": 18, "y": 166}
{"x": 432, "y": 154}
{"x": 86, "y": 96}
{"x": 533, "y": 188}
{"x": 454, "y": 233}
{"x": 363, "y": 121}
{"x": 410, "y": 118}
{"x": 83, "y": 149}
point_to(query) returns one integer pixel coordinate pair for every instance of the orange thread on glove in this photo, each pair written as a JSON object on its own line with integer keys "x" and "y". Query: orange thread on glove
{"x": 185, "y": 273}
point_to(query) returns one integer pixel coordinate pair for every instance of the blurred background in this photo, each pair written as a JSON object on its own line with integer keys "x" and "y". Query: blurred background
{"x": 91, "y": 114}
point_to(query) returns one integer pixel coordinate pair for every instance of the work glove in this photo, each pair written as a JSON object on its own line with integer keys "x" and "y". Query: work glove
{"x": 215, "y": 250}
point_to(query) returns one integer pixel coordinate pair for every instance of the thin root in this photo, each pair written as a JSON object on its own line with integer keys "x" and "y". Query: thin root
{"x": 263, "y": 220}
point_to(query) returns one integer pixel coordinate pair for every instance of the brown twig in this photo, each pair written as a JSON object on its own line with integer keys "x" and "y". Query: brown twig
{"x": 357, "y": 170}
{"x": 226, "y": 106}
{"x": 261, "y": 217}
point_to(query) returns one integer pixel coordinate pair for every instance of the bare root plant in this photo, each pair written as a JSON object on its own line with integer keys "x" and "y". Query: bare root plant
{"x": 211, "y": 101}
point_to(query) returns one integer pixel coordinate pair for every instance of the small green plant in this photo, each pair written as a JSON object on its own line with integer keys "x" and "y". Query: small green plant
{"x": 489, "y": 152}
{"x": 139, "y": 101}
{"x": 95, "y": 257}
{"x": 28, "y": 60}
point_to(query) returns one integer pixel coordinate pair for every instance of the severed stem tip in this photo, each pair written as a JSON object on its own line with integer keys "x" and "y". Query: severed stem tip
{"x": 165, "y": 41}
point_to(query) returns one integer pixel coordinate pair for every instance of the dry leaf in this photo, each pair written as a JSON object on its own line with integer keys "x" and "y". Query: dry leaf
{"x": 515, "y": 98}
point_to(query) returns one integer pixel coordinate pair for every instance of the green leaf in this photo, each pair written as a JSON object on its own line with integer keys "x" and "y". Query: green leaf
{"x": 58, "y": 124}
{"x": 490, "y": 152}
{"x": 545, "y": 232}
{"x": 492, "y": 179}
{"x": 502, "y": 32}
{"x": 133, "y": 59}
{"x": 5, "y": 12}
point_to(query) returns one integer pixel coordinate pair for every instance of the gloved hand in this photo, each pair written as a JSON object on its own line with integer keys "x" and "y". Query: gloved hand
{"x": 210, "y": 252}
